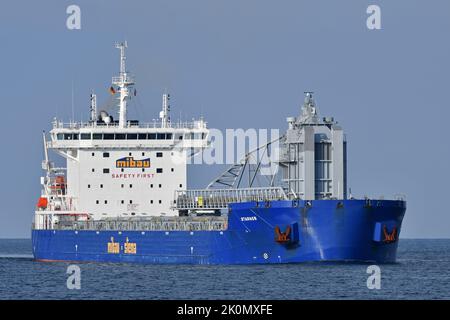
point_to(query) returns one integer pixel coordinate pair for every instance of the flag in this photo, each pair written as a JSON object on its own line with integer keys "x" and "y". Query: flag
{"x": 112, "y": 90}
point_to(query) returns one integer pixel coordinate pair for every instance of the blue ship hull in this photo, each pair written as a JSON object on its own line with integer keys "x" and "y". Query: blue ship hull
{"x": 273, "y": 232}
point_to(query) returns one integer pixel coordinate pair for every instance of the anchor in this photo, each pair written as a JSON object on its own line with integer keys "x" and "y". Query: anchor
{"x": 389, "y": 237}
{"x": 282, "y": 237}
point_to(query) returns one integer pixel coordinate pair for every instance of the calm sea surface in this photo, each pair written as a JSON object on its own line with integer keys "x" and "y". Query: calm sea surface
{"x": 422, "y": 272}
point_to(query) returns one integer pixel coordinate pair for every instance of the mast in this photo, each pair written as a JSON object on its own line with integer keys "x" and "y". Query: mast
{"x": 309, "y": 112}
{"x": 164, "y": 114}
{"x": 123, "y": 82}
{"x": 93, "y": 108}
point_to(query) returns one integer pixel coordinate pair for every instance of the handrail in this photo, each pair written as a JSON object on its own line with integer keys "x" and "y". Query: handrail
{"x": 148, "y": 125}
{"x": 219, "y": 223}
{"x": 221, "y": 198}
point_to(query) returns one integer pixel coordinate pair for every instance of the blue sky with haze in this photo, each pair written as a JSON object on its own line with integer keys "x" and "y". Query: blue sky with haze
{"x": 242, "y": 64}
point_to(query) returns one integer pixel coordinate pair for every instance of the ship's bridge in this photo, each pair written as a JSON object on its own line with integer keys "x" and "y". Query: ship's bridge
{"x": 152, "y": 135}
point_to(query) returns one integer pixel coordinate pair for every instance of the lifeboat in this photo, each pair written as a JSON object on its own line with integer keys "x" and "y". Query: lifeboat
{"x": 42, "y": 203}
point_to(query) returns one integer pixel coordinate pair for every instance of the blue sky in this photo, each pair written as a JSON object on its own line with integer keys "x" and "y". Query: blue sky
{"x": 242, "y": 64}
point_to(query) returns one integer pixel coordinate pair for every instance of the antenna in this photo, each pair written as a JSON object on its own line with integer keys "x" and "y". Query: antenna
{"x": 309, "y": 112}
{"x": 123, "y": 81}
{"x": 73, "y": 108}
{"x": 121, "y": 46}
{"x": 164, "y": 114}
{"x": 93, "y": 107}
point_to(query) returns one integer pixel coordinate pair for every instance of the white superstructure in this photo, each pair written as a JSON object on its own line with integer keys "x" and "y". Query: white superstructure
{"x": 118, "y": 168}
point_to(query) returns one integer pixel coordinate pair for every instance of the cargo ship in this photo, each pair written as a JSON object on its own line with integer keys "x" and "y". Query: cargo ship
{"x": 123, "y": 194}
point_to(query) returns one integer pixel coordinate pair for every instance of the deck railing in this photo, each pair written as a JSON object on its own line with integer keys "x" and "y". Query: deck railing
{"x": 217, "y": 223}
{"x": 220, "y": 198}
{"x": 154, "y": 125}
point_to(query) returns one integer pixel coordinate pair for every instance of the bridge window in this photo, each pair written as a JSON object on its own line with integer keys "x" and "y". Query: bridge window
{"x": 97, "y": 136}
{"x": 85, "y": 136}
{"x": 108, "y": 136}
{"x": 132, "y": 136}
{"x": 152, "y": 136}
{"x": 142, "y": 136}
{"x": 60, "y": 136}
{"x": 164, "y": 136}
{"x": 120, "y": 136}
{"x": 68, "y": 136}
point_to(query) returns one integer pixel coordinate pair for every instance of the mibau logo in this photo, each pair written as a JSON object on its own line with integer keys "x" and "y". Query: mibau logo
{"x": 129, "y": 162}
